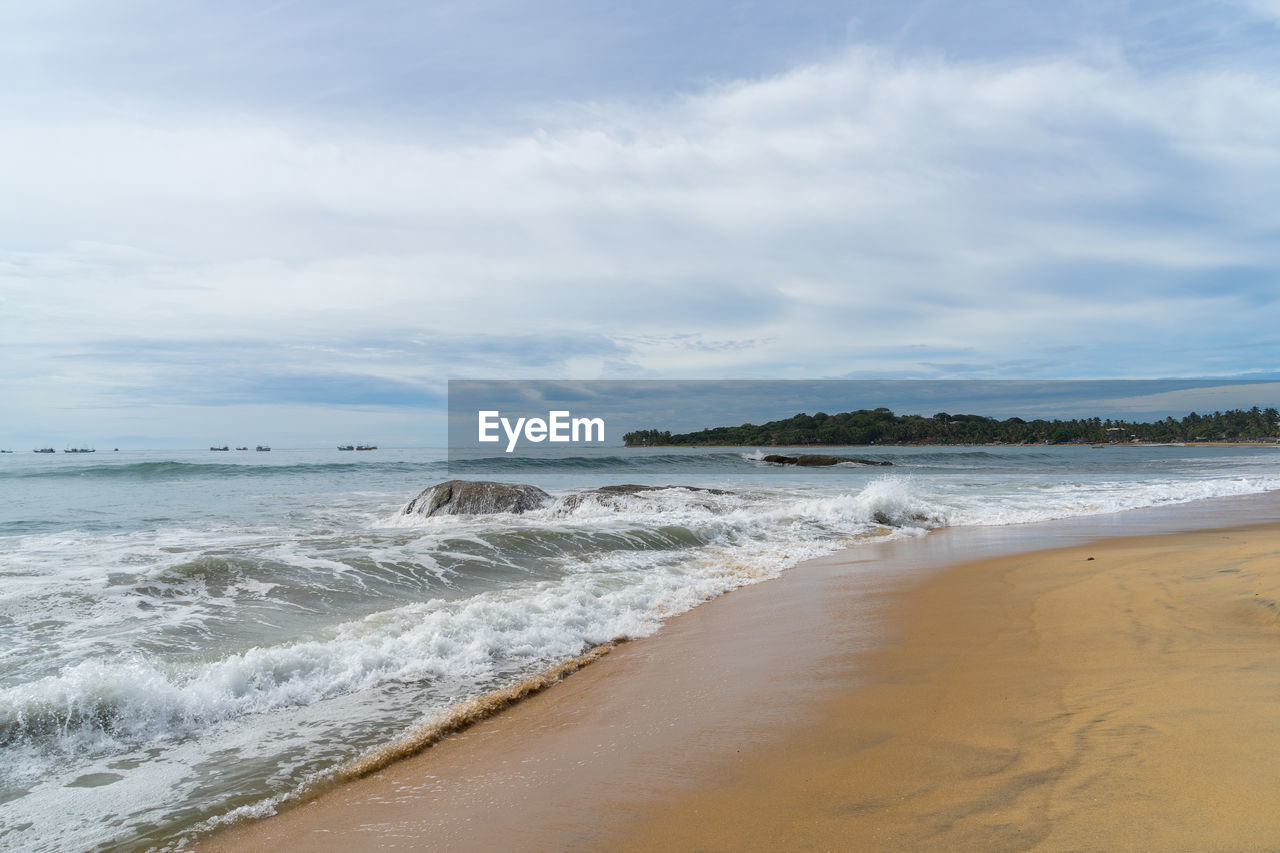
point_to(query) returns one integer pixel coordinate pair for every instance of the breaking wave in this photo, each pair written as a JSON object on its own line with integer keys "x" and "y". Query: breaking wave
{"x": 625, "y": 562}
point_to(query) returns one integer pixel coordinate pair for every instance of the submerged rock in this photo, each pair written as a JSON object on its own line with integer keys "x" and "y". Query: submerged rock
{"x": 609, "y": 495}
{"x": 632, "y": 488}
{"x": 469, "y": 497}
{"x": 818, "y": 459}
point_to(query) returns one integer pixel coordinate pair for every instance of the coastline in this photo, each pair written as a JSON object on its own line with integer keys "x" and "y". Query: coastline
{"x": 693, "y": 737}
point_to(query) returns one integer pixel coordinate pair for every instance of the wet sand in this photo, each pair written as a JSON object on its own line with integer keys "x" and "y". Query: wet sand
{"x": 873, "y": 700}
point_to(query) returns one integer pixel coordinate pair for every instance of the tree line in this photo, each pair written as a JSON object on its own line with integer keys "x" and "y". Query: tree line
{"x": 882, "y": 426}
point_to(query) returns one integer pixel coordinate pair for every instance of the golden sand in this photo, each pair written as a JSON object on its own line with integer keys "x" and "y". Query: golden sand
{"x": 1119, "y": 696}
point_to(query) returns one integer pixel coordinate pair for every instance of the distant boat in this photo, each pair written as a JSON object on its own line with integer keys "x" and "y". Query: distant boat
{"x": 346, "y": 447}
{"x": 224, "y": 447}
{"x": 45, "y": 450}
{"x": 76, "y": 450}
{"x": 366, "y": 447}
{"x": 242, "y": 448}
{"x": 262, "y": 447}
{"x": 6, "y": 451}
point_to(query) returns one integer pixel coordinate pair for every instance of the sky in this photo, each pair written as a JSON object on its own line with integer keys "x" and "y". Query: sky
{"x": 292, "y": 223}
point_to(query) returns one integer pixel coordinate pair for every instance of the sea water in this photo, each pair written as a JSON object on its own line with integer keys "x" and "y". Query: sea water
{"x": 189, "y": 638}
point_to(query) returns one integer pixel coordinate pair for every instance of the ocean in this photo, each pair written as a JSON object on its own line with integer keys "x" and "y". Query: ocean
{"x": 195, "y": 637}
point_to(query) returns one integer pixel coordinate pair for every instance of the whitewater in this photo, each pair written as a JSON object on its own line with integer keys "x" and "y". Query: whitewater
{"x": 189, "y": 637}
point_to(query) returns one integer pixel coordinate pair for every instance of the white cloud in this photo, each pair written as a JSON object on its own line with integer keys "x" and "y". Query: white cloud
{"x": 831, "y": 217}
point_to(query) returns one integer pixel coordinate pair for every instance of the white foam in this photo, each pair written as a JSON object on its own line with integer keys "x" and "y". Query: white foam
{"x": 482, "y": 638}
{"x": 744, "y": 536}
{"x": 1066, "y": 500}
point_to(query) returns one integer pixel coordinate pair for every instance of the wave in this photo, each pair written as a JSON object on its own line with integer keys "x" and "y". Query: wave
{"x": 480, "y": 642}
{"x": 1052, "y": 501}
{"x": 170, "y": 470}
{"x": 685, "y": 514}
{"x": 700, "y": 461}
{"x": 604, "y": 570}
{"x": 138, "y": 702}
{"x": 974, "y": 456}
{"x": 887, "y": 500}
{"x": 637, "y": 461}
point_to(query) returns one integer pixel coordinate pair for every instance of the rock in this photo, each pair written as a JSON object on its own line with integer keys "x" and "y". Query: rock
{"x": 878, "y": 462}
{"x": 464, "y": 497}
{"x": 817, "y": 460}
{"x": 608, "y": 495}
{"x": 632, "y": 488}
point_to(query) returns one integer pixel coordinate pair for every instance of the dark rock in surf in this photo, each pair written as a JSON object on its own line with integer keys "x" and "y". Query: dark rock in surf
{"x": 473, "y": 497}
{"x": 819, "y": 460}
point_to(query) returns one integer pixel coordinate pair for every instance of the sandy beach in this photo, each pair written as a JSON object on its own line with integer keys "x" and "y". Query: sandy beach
{"x": 1117, "y": 694}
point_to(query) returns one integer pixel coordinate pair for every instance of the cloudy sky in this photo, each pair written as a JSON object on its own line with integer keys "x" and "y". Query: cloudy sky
{"x": 241, "y": 221}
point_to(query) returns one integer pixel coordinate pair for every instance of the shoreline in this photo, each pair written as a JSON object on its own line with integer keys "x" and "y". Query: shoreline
{"x": 618, "y": 751}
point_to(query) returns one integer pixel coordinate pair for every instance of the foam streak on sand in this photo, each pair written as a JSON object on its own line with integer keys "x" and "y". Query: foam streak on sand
{"x": 467, "y": 714}
{"x": 1114, "y": 695}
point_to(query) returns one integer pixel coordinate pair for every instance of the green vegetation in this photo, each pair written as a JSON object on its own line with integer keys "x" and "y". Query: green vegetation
{"x": 881, "y": 426}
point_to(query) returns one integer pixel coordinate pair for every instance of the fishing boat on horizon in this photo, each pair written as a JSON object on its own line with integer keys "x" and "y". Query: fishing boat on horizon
{"x": 366, "y": 447}
{"x": 45, "y": 450}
